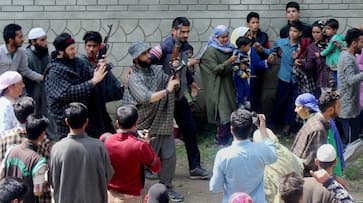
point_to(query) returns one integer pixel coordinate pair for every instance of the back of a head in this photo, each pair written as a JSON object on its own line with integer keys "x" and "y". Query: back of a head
{"x": 127, "y": 116}
{"x": 12, "y": 188}
{"x": 35, "y": 125}
{"x": 240, "y": 197}
{"x": 291, "y": 187}
{"x": 92, "y": 36}
{"x": 23, "y": 107}
{"x": 326, "y": 154}
{"x": 9, "y": 31}
{"x": 293, "y": 4}
{"x": 333, "y": 23}
{"x": 327, "y": 99}
{"x": 353, "y": 34}
{"x": 252, "y": 15}
{"x": 180, "y": 21}
{"x": 242, "y": 41}
{"x": 241, "y": 123}
{"x": 158, "y": 194}
{"x": 76, "y": 114}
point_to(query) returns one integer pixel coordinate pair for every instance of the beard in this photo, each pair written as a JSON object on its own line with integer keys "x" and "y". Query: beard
{"x": 67, "y": 60}
{"x": 144, "y": 64}
{"x": 42, "y": 51}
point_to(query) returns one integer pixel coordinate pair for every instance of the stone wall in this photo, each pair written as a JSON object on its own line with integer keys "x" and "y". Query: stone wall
{"x": 150, "y": 20}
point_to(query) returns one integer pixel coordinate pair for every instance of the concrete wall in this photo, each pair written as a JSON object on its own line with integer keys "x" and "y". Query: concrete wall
{"x": 150, "y": 20}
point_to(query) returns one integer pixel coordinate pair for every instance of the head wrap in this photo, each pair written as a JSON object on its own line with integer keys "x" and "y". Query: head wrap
{"x": 307, "y": 100}
{"x": 218, "y": 31}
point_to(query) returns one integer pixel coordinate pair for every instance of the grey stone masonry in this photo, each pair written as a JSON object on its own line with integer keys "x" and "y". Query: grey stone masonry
{"x": 150, "y": 20}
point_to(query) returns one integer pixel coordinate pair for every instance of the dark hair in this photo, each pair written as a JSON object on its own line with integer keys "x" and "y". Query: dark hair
{"x": 10, "y": 32}
{"x": 333, "y": 23}
{"x": 291, "y": 187}
{"x": 293, "y": 4}
{"x": 327, "y": 99}
{"x": 60, "y": 43}
{"x": 23, "y": 107}
{"x": 353, "y": 34}
{"x": 297, "y": 26}
{"x": 242, "y": 41}
{"x": 241, "y": 123}
{"x": 76, "y": 114}
{"x": 252, "y": 15}
{"x": 180, "y": 20}
{"x": 326, "y": 165}
{"x": 35, "y": 125}
{"x": 12, "y": 188}
{"x": 127, "y": 116}
{"x": 319, "y": 23}
{"x": 92, "y": 36}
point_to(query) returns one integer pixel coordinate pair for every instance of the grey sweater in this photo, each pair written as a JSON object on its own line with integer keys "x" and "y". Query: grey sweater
{"x": 349, "y": 79}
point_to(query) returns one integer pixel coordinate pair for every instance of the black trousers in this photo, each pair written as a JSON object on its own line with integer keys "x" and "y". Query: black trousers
{"x": 184, "y": 118}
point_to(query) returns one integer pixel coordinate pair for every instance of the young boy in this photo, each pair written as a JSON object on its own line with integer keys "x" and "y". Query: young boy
{"x": 293, "y": 17}
{"x": 287, "y": 88}
{"x": 244, "y": 76}
{"x": 332, "y": 52}
{"x": 258, "y": 38}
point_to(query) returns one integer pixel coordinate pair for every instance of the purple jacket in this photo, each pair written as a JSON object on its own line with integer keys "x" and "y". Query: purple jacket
{"x": 317, "y": 66}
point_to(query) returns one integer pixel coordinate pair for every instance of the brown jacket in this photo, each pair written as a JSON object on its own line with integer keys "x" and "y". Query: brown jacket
{"x": 315, "y": 192}
{"x": 310, "y": 137}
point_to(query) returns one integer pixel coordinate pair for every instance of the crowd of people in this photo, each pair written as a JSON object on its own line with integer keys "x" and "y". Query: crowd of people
{"x": 59, "y": 143}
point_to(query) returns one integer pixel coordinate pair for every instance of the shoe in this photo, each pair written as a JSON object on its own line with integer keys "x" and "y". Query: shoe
{"x": 149, "y": 175}
{"x": 175, "y": 196}
{"x": 199, "y": 173}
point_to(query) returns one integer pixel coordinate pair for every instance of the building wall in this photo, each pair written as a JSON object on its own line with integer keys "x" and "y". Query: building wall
{"x": 150, "y": 20}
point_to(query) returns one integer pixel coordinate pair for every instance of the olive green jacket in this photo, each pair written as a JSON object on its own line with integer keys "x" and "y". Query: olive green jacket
{"x": 217, "y": 77}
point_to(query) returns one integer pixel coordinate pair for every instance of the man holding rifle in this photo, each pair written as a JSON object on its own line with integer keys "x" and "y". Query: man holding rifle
{"x": 172, "y": 53}
{"x": 68, "y": 79}
{"x": 109, "y": 89}
{"x": 152, "y": 92}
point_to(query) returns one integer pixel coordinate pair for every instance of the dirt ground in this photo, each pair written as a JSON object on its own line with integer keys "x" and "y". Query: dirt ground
{"x": 196, "y": 191}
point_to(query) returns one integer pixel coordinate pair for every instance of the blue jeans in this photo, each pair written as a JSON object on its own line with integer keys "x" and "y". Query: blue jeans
{"x": 242, "y": 88}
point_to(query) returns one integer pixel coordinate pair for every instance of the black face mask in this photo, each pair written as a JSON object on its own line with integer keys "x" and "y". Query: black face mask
{"x": 41, "y": 51}
{"x": 143, "y": 64}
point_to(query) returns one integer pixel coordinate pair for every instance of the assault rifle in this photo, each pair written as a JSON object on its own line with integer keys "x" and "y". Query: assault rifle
{"x": 104, "y": 48}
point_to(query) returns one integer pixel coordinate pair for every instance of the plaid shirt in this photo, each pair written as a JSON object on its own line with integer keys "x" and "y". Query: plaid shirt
{"x": 157, "y": 116}
{"x": 17, "y": 136}
{"x": 305, "y": 81}
{"x": 310, "y": 137}
{"x": 66, "y": 82}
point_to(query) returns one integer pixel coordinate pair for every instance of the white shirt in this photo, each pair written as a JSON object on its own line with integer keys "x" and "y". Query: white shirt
{"x": 7, "y": 116}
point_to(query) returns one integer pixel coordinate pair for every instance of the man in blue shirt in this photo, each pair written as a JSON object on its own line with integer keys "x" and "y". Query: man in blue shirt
{"x": 240, "y": 167}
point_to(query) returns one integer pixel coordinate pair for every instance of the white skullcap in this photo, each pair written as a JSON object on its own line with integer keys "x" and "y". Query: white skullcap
{"x": 9, "y": 78}
{"x": 36, "y": 33}
{"x": 326, "y": 153}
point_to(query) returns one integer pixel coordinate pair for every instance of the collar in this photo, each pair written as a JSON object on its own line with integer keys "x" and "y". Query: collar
{"x": 125, "y": 135}
{"x": 296, "y": 22}
{"x": 29, "y": 144}
{"x": 241, "y": 142}
{"x": 286, "y": 41}
{"x": 73, "y": 136}
{"x": 320, "y": 117}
